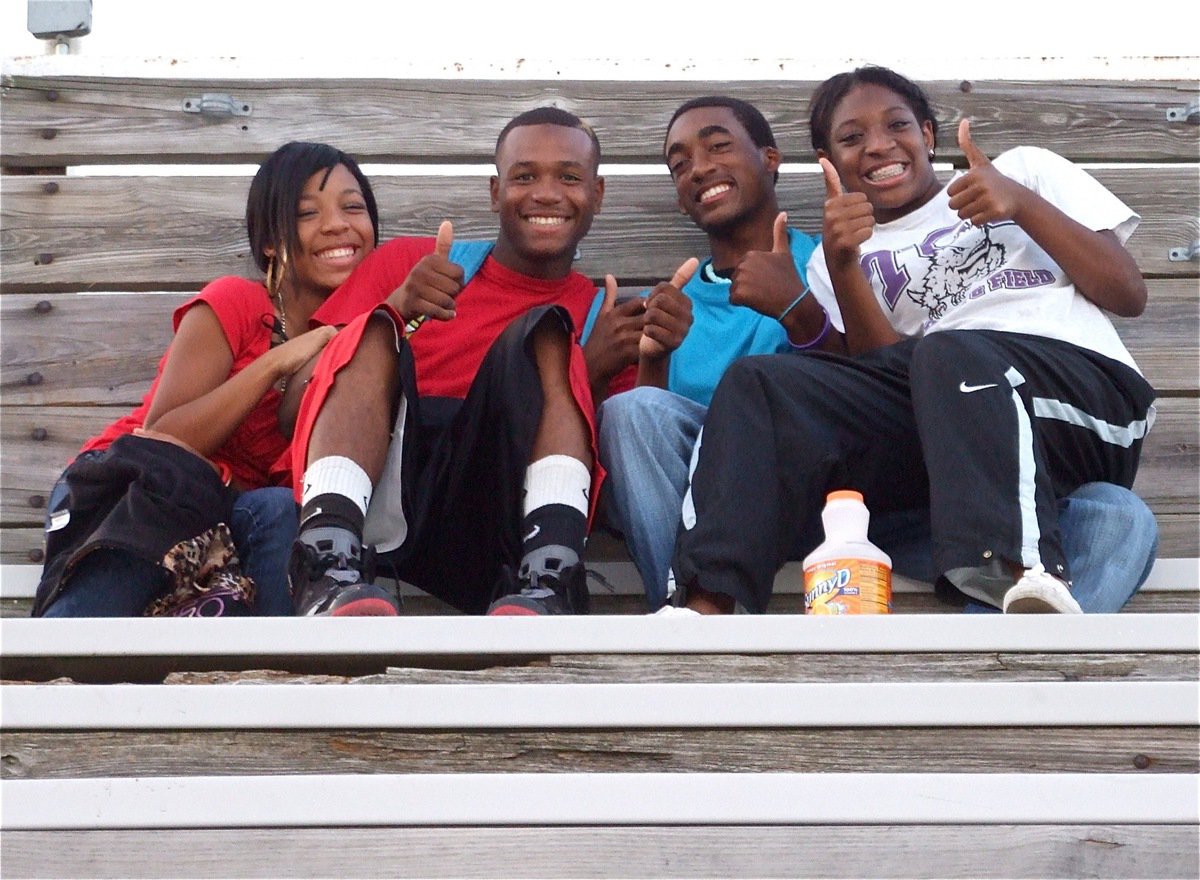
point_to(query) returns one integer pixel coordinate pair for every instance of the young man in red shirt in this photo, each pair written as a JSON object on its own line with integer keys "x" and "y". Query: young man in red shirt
{"x": 446, "y": 432}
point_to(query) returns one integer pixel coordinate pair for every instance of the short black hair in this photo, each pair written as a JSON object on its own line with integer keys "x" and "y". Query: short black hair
{"x": 830, "y": 93}
{"x": 747, "y": 114}
{"x": 276, "y": 189}
{"x": 550, "y": 116}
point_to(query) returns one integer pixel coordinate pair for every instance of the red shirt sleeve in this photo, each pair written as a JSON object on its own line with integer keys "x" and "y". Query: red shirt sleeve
{"x": 384, "y": 270}
{"x": 243, "y": 309}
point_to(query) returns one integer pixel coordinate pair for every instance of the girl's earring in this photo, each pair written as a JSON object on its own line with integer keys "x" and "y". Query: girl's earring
{"x": 271, "y": 275}
{"x": 931, "y": 155}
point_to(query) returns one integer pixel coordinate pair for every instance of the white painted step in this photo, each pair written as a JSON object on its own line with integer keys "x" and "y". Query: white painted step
{"x": 598, "y": 798}
{"x": 461, "y": 636}
{"x": 590, "y": 706}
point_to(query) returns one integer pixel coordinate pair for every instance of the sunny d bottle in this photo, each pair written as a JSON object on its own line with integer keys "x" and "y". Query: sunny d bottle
{"x": 847, "y": 574}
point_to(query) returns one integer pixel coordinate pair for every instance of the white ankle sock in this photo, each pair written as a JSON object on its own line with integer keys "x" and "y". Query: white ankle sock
{"x": 338, "y": 475}
{"x": 557, "y": 479}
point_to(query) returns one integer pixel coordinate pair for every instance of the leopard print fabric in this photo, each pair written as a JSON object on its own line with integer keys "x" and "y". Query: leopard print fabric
{"x": 204, "y": 575}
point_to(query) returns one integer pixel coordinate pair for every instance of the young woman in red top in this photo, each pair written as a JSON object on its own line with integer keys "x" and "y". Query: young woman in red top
{"x": 211, "y": 417}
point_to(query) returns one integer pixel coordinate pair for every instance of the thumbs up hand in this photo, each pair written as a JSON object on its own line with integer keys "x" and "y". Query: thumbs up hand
{"x": 849, "y": 221}
{"x": 767, "y": 281}
{"x": 431, "y": 286}
{"x": 613, "y": 343}
{"x": 668, "y": 313}
{"x": 976, "y": 158}
{"x": 983, "y": 194}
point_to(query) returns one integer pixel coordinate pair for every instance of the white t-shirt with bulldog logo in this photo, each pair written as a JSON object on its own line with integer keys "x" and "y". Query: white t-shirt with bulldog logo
{"x": 932, "y": 271}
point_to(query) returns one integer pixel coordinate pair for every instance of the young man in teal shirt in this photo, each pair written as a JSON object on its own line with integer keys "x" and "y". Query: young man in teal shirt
{"x": 746, "y": 298}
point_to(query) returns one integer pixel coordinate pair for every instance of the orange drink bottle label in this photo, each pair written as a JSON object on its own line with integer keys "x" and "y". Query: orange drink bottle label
{"x": 847, "y": 586}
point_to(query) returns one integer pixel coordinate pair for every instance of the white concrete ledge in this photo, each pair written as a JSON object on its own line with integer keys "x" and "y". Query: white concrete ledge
{"x": 460, "y": 636}
{"x": 819, "y": 799}
{"x": 1173, "y": 575}
{"x": 598, "y": 706}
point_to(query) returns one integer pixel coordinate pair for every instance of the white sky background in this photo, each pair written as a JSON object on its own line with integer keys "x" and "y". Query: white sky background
{"x": 635, "y": 38}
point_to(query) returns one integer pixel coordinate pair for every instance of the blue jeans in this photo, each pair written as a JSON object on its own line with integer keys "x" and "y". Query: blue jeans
{"x": 112, "y": 583}
{"x": 265, "y": 522}
{"x": 646, "y": 436}
{"x": 646, "y": 440}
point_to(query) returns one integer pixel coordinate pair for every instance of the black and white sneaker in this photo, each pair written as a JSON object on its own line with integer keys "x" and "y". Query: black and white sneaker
{"x": 537, "y": 593}
{"x": 331, "y": 576}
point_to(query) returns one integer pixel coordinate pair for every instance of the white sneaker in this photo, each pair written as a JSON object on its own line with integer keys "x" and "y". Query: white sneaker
{"x": 673, "y": 611}
{"x": 1039, "y": 592}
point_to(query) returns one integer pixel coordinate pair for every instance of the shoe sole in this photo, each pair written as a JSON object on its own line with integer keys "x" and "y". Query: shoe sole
{"x": 366, "y": 607}
{"x": 1030, "y": 605}
{"x": 1035, "y": 602}
{"x": 513, "y": 611}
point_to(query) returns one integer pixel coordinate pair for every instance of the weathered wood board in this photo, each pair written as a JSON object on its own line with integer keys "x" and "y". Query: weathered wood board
{"x": 173, "y": 233}
{"x": 57, "y": 121}
{"x": 935, "y": 850}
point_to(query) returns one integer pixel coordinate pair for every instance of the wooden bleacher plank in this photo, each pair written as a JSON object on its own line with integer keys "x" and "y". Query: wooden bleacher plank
{"x": 881, "y": 851}
{"x": 1170, "y": 450}
{"x": 42, "y": 754}
{"x": 357, "y": 800}
{"x": 1177, "y": 533}
{"x": 599, "y": 706}
{"x": 64, "y": 339}
{"x": 114, "y": 233}
{"x": 778, "y": 668}
{"x": 1159, "y": 338}
{"x": 124, "y": 120}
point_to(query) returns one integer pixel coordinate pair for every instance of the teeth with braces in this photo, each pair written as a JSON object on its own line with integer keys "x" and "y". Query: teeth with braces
{"x": 886, "y": 173}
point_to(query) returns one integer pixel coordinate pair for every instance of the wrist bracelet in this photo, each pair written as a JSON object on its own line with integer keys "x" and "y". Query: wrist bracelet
{"x": 816, "y": 340}
{"x": 793, "y": 305}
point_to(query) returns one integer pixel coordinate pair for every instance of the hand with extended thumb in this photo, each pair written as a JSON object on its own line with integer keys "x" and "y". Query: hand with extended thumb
{"x": 983, "y": 195}
{"x": 430, "y": 289}
{"x": 849, "y": 220}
